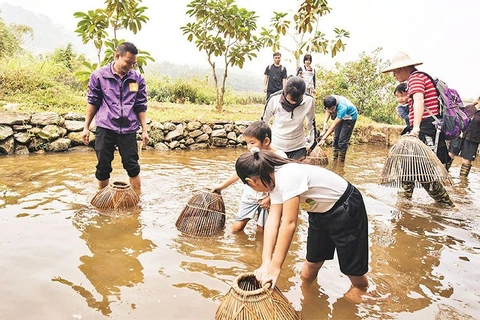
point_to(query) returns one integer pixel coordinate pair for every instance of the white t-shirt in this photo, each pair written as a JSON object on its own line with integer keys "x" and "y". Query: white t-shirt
{"x": 319, "y": 189}
{"x": 288, "y": 129}
{"x": 251, "y": 196}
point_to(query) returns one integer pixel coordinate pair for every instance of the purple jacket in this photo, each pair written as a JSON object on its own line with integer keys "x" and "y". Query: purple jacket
{"x": 118, "y": 101}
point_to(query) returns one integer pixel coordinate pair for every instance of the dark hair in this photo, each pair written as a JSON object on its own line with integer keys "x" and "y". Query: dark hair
{"x": 126, "y": 47}
{"x": 307, "y": 57}
{"x": 329, "y": 102}
{"x": 261, "y": 164}
{"x": 295, "y": 87}
{"x": 276, "y": 53}
{"x": 402, "y": 87}
{"x": 259, "y": 130}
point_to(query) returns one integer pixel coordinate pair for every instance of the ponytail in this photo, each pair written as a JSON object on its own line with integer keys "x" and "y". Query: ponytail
{"x": 261, "y": 164}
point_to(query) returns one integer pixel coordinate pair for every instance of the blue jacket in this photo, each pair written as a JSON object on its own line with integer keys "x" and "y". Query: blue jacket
{"x": 118, "y": 100}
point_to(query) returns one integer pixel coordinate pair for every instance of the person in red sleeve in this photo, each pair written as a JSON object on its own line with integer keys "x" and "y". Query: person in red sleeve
{"x": 422, "y": 95}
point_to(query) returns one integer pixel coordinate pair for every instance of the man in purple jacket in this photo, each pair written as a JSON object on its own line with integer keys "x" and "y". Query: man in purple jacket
{"x": 117, "y": 99}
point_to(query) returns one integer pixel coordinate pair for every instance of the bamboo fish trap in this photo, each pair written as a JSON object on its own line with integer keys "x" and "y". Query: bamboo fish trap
{"x": 248, "y": 300}
{"x": 203, "y": 216}
{"x": 317, "y": 157}
{"x": 117, "y": 195}
{"x": 410, "y": 160}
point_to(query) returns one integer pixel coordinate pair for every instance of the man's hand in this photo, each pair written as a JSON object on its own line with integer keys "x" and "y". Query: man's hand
{"x": 415, "y": 131}
{"x": 86, "y": 136}
{"x": 145, "y": 138}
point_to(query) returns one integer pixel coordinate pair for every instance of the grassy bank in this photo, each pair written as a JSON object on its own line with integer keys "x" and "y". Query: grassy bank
{"x": 178, "y": 112}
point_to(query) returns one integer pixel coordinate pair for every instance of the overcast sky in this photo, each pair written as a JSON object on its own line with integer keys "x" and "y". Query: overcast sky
{"x": 441, "y": 33}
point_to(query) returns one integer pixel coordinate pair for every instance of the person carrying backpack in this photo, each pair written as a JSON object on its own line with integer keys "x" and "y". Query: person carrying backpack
{"x": 275, "y": 76}
{"x": 307, "y": 72}
{"x": 467, "y": 145}
{"x": 423, "y": 103}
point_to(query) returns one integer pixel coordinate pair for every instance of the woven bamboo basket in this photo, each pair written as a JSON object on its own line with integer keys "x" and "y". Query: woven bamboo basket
{"x": 203, "y": 216}
{"x": 410, "y": 160}
{"x": 317, "y": 157}
{"x": 248, "y": 300}
{"x": 117, "y": 195}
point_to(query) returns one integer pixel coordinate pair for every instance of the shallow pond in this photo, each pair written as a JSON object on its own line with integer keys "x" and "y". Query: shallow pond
{"x": 61, "y": 259}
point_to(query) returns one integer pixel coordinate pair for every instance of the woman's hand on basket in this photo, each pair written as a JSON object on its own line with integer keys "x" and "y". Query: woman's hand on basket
{"x": 265, "y": 275}
{"x": 217, "y": 188}
{"x": 261, "y": 273}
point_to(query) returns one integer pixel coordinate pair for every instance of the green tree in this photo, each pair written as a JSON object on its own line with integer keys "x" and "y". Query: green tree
{"x": 66, "y": 57}
{"x": 11, "y": 38}
{"x": 93, "y": 27}
{"x": 364, "y": 84}
{"x": 222, "y": 29}
{"x": 305, "y": 31}
{"x": 95, "y": 24}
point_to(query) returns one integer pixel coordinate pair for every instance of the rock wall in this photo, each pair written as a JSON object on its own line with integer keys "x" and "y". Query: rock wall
{"x": 23, "y": 133}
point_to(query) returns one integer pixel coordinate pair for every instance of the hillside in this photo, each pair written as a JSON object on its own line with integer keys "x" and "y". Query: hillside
{"x": 49, "y": 36}
{"x": 237, "y": 79}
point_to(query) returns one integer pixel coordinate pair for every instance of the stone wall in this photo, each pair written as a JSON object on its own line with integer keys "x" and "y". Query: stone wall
{"x": 23, "y": 133}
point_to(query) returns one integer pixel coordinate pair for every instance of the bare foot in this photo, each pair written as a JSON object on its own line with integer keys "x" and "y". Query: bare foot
{"x": 358, "y": 295}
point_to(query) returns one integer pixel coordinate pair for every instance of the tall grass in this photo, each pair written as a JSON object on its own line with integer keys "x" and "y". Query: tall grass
{"x": 40, "y": 85}
{"x": 195, "y": 91}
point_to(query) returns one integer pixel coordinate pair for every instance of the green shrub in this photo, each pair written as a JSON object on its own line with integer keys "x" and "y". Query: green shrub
{"x": 362, "y": 82}
{"x": 194, "y": 90}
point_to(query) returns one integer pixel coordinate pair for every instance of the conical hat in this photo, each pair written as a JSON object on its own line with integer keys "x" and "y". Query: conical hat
{"x": 400, "y": 60}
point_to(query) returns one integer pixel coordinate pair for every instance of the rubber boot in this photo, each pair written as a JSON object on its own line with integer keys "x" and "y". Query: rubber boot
{"x": 465, "y": 170}
{"x": 335, "y": 154}
{"x": 406, "y": 190}
{"x": 341, "y": 155}
{"x": 437, "y": 191}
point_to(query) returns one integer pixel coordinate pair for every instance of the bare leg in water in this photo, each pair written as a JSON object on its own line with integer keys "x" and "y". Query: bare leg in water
{"x": 359, "y": 283}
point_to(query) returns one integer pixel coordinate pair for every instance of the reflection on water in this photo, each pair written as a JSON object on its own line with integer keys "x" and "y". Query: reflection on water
{"x": 61, "y": 259}
{"x": 115, "y": 244}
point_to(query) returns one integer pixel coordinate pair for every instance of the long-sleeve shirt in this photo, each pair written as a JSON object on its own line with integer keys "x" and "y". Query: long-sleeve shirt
{"x": 288, "y": 128}
{"x": 118, "y": 100}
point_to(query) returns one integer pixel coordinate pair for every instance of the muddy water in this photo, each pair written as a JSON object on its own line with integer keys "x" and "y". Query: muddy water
{"x": 61, "y": 259}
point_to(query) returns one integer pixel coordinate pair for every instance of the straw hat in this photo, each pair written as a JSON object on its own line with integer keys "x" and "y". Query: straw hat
{"x": 400, "y": 60}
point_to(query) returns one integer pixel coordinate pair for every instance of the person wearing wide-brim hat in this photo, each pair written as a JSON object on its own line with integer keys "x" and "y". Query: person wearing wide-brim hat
{"x": 401, "y": 60}
{"x": 422, "y": 96}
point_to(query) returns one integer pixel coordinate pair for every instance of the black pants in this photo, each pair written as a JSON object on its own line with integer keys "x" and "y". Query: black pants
{"x": 343, "y": 132}
{"x": 428, "y": 134}
{"x": 105, "y": 143}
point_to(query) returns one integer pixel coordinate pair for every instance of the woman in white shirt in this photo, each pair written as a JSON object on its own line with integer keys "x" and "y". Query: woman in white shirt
{"x": 291, "y": 111}
{"x": 337, "y": 216}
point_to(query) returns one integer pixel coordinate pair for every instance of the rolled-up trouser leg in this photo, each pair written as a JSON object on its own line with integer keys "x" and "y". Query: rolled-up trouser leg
{"x": 465, "y": 169}
{"x": 406, "y": 189}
